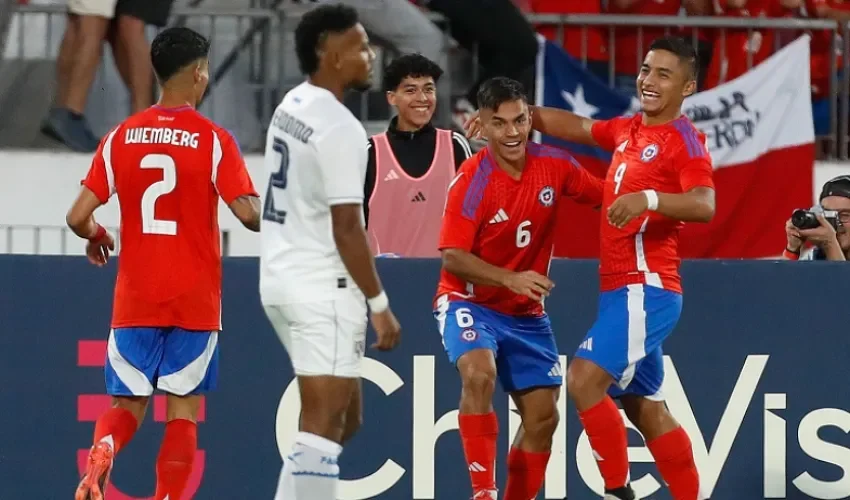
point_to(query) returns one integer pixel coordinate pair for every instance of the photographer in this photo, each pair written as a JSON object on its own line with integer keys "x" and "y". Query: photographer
{"x": 825, "y": 226}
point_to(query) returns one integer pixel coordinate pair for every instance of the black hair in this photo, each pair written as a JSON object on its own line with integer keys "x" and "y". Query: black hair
{"x": 175, "y": 48}
{"x": 410, "y": 66}
{"x": 314, "y": 27}
{"x": 683, "y": 49}
{"x": 498, "y": 90}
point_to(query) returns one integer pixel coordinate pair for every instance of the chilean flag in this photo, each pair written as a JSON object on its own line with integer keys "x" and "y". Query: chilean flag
{"x": 759, "y": 132}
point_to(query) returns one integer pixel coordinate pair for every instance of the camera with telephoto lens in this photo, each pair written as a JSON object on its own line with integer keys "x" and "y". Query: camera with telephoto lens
{"x": 807, "y": 219}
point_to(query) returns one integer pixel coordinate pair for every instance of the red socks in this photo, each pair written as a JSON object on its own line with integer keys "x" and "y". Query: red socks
{"x": 478, "y": 434}
{"x": 607, "y": 434}
{"x": 174, "y": 463}
{"x": 526, "y": 473}
{"x": 117, "y": 423}
{"x": 674, "y": 458}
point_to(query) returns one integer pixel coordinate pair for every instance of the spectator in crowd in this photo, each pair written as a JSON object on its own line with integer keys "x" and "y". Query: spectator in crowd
{"x": 90, "y": 22}
{"x": 827, "y": 242}
{"x": 631, "y": 44}
{"x": 411, "y": 164}
{"x": 505, "y": 42}
{"x": 588, "y": 44}
{"x": 736, "y": 51}
{"x": 822, "y": 48}
{"x": 403, "y": 27}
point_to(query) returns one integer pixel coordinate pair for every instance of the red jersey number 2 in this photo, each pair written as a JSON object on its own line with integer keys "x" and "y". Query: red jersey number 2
{"x": 150, "y": 224}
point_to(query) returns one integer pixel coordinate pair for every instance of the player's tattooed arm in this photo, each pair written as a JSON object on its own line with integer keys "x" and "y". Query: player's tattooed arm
{"x": 353, "y": 247}
{"x": 246, "y": 208}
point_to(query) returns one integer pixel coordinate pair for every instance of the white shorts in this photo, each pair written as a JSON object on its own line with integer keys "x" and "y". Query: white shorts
{"x": 102, "y": 8}
{"x": 324, "y": 337}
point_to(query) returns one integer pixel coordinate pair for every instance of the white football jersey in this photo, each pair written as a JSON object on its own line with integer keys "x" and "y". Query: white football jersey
{"x": 315, "y": 157}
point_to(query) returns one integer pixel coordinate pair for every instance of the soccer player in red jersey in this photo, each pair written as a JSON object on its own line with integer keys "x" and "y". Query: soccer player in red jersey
{"x": 660, "y": 176}
{"x": 496, "y": 240}
{"x": 168, "y": 165}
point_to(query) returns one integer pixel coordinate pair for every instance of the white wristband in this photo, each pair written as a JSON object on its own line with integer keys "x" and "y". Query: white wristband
{"x": 651, "y": 199}
{"x": 379, "y": 303}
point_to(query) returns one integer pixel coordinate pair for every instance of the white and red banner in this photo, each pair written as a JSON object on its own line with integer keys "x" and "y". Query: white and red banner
{"x": 760, "y": 135}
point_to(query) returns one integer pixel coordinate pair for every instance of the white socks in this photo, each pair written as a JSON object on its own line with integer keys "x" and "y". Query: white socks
{"x": 310, "y": 471}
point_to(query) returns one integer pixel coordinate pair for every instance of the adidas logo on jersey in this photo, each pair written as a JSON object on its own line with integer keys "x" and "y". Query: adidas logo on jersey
{"x": 556, "y": 371}
{"x": 476, "y": 467}
{"x": 419, "y": 197}
{"x": 391, "y": 176}
{"x": 587, "y": 345}
{"x": 500, "y": 216}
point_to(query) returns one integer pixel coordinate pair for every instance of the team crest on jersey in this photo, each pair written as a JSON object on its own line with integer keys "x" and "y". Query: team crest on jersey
{"x": 649, "y": 153}
{"x": 469, "y": 334}
{"x": 546, "y": 196}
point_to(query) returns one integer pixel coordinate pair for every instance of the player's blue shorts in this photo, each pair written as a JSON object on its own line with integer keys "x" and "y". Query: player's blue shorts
{"x": 525, "y": 350}
{"x": 626, "y": 339}
{"x": 172, "y": 360}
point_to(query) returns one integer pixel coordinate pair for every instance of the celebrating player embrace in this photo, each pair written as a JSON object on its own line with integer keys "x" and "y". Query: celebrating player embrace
{"x": 168, "y": 165}
{"x": 497, "y": 240}
{"x": 660, "y": 176}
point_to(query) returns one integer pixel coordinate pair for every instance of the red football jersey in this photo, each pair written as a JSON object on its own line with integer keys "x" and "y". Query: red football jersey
{"x": 510, "y": 223}
{"x": 168, "y": 168}
{"x": 669, "y": 158}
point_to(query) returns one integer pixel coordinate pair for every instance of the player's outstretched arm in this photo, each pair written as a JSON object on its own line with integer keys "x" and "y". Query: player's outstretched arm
{"x": 551, "y": 121}
{"x": 562, "y": 124}
{"x": 246, "y": 208}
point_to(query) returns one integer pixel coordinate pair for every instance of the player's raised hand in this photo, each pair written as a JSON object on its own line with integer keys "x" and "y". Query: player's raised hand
{"x": 627, "y": 207}
{"x": 529, "y": 283}
{"x": 98, "y": 251}
{"x": 472, "y": 126}
{"x": 388, "y": 329}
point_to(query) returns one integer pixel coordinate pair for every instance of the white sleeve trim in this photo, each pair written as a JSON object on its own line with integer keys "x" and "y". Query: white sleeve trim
{"x": 463, "y": 143}
{"x": 216, "y": 158}
{"x": 106, "y": 155}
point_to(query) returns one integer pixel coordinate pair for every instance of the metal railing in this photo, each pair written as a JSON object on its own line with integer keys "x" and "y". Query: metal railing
{"x": 834, "y": 145}
{"x": 252, "y": 50}
{"x": 25, "y": 239}
{"x": 36, "y": 32}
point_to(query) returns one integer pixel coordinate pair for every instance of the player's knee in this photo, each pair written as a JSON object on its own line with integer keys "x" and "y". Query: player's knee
{"x": 541, "y": 424}
{"x": 585, "y": 378}
{"x": 479, "y": 383}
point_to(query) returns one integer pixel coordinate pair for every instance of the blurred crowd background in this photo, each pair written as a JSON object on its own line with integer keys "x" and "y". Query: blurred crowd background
{"x": 67, "y": 79}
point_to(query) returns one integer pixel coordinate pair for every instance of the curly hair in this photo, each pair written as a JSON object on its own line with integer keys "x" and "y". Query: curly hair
{"x": 314, "y": 28}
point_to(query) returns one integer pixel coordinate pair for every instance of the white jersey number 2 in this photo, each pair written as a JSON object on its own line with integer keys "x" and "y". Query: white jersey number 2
{"x": 150, "y": 224}
{"x": 277, "y": 180}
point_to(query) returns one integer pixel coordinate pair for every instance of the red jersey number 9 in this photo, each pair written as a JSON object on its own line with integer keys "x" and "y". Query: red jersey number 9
{"x": 618, "y": 176}
{"x": 150, "y": 224}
